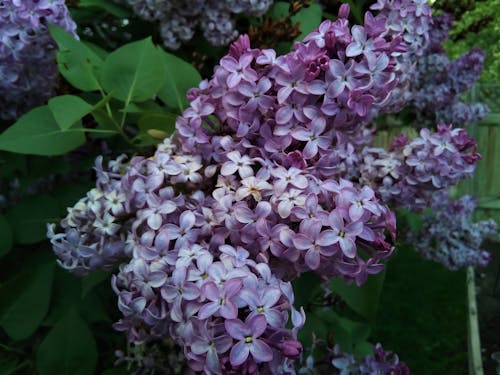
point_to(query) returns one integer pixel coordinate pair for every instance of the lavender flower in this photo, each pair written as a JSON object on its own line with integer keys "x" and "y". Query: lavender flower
{"x": 29, "y": 71}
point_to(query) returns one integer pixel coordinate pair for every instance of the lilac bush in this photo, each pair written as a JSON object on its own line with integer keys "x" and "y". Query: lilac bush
{"x": 28, "y": 73}
{"x": 263, "y": 181}
{"x": 449, "y": 236}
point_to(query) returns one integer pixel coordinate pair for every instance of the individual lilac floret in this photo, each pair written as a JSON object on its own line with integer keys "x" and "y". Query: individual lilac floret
{"x": 92, "y": 235}
{"x": 28, "y": 72}
{"x": 449, "y": 236}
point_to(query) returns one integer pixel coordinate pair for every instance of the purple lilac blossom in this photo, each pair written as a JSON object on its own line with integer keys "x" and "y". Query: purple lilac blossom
{"x": 215, "y": 18}
{"x": 439, "y": 83}
{"x": 28, "y": 70}
{"x": 411, "y": 172}
{"x": 252, "y": 191}
{"x": 340, "y": 363}
{"x": 449, "y": 236}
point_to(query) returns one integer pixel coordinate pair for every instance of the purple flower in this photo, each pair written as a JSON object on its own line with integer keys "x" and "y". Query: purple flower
{"x": 220, "y": 299}
{"x": 247, "y": 334}
{"x": 314, "y": 241}
{"x": 345, "y": 235}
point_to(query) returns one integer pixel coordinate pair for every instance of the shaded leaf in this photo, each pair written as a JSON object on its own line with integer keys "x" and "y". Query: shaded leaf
{"x": 6, "y": 237}
{"x": 114, "y": 9}
{"x": 29, "y": 218}
{"x": 26, "y": 304}
{"x": 363, "y": 299}
{"x": 68, "y": 349}
{"x": 38, "y": 133}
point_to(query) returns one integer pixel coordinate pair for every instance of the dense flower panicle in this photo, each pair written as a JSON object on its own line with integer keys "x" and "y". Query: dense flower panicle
{"x": 411, "y": 21}
{"x": 449, "y": 236}
{"x": 411, "y": 172}
{"x": 178, "y": 23}
{"x": 92, "y": 234}
{"x": 260, "y": 183}
{"x": 340, "y": 363}
{"x": 439, "y": 83}
{"x": 28, "y": 72}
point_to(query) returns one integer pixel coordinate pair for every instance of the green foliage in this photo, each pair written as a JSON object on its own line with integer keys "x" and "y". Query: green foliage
{"x": 308, "y": 18}
{"x": 134, "y": 72}
{"x": 38, "y": 133}
{"x": 68, "y": 110}
{"x": 29, "y": 218}
{"x": 180, "y": 77}
{"x": 107, "y": 6}
{"x": 422, "y": 314}
{"x": 68, "y": 349}
{"x": 479, "y": 27}
{"x": 6, "y": 237}
{"x": 119, "y": 91}
{"x": 77, "y": 63}
{"x": 25, "y": 300}
{"x": 363, "y": 299}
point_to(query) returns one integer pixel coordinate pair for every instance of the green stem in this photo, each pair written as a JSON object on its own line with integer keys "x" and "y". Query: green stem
{"x": 474, "y": 342}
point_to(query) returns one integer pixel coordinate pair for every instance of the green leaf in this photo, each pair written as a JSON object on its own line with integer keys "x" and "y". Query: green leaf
{"x": 68, "y": 349}
{"x": 306, "y": 288}
{"x": 346, "y": 332}
{"x": 68, "y": 109}
{"x": 363, "y": 299}
{"x": 37, "y": 133}
{"x": 93, "y": 310}
{"x": 92, "y": 280}
{"x": 77, "y": 62}
{"x": 29, "y": 218}
{"x": 8, "y": 366}
{"x": 6, "y": 237}
{"x": 279, "y": 10}
{"x": 26, "y": 303}
{"x": 180, "y": 77}
{"x": 134, "y": 72}
{"x": 114, "y": 9}
{"x": 309, "y": 19}
{"x": 66, "y": 292}
{"x": 489, "y": 203}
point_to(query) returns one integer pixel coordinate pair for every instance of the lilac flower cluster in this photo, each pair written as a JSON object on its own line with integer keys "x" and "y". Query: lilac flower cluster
{"x": 410, "y": 20}
{"x": 248, "y": 194}
{"x": 28, "y": 72}
{"x": 411, "y": 172}
{"x": 381, "y": 362}
{"x": 439, "y": 83}
{"x": 449, "y": 236}
{"x": 92, "y": 232}
{"x": 178, "y": 22}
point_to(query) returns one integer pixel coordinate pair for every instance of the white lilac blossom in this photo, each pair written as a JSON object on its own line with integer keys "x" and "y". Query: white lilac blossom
{"x": 449, "y": 236}
{"x": 178, "y": 22}
{"x": 28, "y": 72}
{"x": 248, "y": 194}
{"x": 93, "y": 231}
